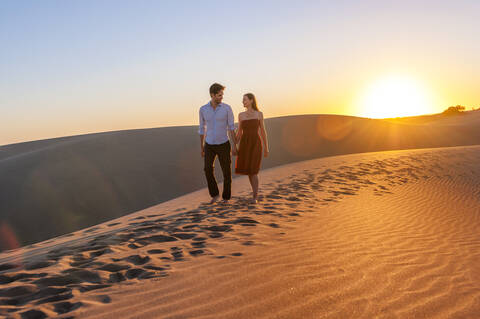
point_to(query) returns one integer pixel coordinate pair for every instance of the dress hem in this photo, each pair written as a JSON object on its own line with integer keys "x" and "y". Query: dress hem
{"x": 245, "y": 173}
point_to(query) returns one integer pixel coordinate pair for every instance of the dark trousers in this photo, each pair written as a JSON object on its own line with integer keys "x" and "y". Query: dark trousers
{"x": 223, "y": 152}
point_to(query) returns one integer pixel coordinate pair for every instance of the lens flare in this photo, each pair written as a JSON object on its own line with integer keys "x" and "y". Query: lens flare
{"x": 8, "y": 240}
{"x": 334, "y": 128}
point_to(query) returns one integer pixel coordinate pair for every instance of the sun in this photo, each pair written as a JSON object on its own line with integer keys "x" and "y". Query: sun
{"x": 395, "y": 96}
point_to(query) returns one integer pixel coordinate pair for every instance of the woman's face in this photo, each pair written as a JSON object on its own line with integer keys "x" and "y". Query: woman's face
{"x": 247, "y": 102}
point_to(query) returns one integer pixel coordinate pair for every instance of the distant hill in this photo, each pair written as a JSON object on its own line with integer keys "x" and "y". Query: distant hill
{"x": 57, "y": 186}
{"x": 439, "y": 118}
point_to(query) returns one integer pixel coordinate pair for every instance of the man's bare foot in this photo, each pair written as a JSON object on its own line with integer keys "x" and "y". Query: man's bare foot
{"x": 225, "y": 201}
{"x": 214, "y": 199}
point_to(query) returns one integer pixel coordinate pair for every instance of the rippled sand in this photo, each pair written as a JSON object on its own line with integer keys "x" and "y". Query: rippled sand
{"x": 374, "y": 235}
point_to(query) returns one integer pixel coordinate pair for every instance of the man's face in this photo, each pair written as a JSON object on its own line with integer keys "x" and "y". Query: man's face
{"x": 217, "y": 98}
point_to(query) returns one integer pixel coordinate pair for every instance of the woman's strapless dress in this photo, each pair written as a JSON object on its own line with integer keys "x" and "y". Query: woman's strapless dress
{"x": 249, "y": 155}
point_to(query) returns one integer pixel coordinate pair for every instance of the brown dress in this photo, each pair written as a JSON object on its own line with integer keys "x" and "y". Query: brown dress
{"x": 249, "y": 155}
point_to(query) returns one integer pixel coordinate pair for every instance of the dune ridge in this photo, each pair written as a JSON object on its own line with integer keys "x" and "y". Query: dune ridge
{"x": 57, "y": 186}
{"x": 388, "y": 234}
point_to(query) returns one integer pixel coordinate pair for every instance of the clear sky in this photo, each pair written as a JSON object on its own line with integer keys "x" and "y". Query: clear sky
{"x": 74, "y": 67}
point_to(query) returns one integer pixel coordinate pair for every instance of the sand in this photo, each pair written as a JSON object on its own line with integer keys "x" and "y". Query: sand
{"x": 53, "y": 187}
{"x": 374, "y": 235}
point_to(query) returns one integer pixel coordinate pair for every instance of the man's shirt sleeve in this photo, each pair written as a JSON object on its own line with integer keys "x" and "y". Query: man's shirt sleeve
{"x": 230, "y": 119}
{"x": 201, "y": 129}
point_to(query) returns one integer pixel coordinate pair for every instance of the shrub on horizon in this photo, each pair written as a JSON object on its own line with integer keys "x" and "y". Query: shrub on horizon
{"x": 454, "y": 110}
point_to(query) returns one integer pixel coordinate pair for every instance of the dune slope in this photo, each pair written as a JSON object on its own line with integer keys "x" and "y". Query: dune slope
{"x": 387, "y": 234}
{"x": 53, "y": 187}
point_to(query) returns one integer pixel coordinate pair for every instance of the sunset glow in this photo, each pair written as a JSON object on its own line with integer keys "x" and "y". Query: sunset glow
{"x": 395, "y": 96}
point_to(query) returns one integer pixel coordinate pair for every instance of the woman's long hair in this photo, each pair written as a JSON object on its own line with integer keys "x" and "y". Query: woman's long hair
{"x": 252, "y": 98}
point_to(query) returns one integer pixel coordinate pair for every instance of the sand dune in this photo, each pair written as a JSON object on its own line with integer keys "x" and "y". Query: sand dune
{"x": 53, "y": 187}
{"x": 463, "y": 118}
{"x": 377, "y": 235}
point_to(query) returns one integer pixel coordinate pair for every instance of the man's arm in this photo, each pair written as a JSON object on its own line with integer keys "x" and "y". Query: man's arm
{"x": 201, "y": 131}
{"x": 202, "y": 139}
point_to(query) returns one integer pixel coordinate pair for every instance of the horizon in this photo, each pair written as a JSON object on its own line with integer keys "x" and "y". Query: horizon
{"x": 78, "y": 68}
{"x": 236, "y": 122}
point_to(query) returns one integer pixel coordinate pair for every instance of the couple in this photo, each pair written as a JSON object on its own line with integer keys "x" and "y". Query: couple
{"x": 216, "y": 123}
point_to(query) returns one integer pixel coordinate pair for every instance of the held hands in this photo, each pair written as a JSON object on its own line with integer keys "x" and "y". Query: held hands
{"x": 234, "y": 151}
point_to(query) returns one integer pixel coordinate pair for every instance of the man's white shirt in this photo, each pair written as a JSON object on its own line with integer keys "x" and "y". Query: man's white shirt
{"x": 215, "y": 122}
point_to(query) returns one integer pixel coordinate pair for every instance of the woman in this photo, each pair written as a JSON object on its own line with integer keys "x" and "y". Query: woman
{"x": 249, "y": 157}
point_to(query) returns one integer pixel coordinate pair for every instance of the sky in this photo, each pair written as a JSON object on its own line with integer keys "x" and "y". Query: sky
{"x": 77, "y": 67}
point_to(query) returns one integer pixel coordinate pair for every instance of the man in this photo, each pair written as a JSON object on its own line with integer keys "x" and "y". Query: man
{"x": 216, "y": 123}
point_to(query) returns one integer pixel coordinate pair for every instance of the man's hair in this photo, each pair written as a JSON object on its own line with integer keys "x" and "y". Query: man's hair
{"x": 215, "y": 88}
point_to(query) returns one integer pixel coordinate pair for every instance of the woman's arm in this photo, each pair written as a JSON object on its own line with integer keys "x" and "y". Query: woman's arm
{"x": 263, "y": 135}
{"x": 240, "y": 130}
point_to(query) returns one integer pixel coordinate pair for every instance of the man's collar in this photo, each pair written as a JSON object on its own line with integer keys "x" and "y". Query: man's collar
{"x": 210, "y": 103}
